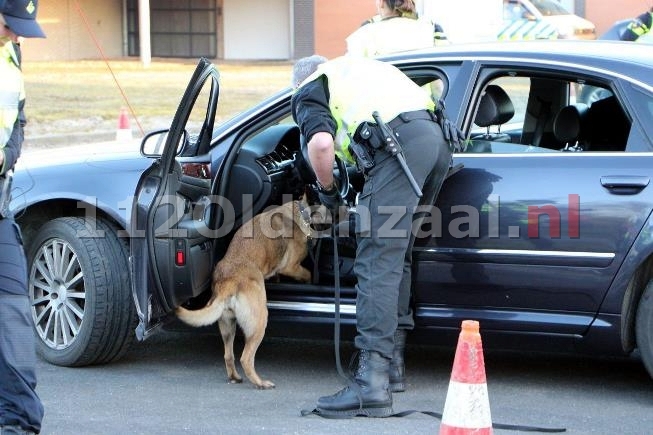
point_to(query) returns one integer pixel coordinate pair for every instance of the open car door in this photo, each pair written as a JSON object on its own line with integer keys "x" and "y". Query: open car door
{"x": 171, "y": 246}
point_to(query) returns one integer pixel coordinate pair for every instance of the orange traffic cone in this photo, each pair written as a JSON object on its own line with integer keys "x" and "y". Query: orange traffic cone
{"x": 467, "y": 407}
{"x": 124, "y": 132}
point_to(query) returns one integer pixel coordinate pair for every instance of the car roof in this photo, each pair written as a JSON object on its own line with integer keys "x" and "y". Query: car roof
{"x": 627, "y": 58}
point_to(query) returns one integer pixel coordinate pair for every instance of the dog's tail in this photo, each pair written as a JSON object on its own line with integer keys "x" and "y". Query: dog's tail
{"x": 205, "y": 316}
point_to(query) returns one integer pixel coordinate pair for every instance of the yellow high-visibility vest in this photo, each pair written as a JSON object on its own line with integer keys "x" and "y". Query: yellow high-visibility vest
{"x": 359, "y": 86}
{"x": 12, "y": 91}
{"x": 390, "y": 36}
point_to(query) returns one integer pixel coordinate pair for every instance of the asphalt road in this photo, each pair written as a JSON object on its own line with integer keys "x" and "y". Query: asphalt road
{"x": 174, "y": 383}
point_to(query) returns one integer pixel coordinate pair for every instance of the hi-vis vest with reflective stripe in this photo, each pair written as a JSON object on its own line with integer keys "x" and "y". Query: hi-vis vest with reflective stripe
{"x": 11, "y": 91}
{"x": 641, "y": 26}
{"x": 390, "y": 36}
{"x": 359, "y": 86}
{"x": 528, "y": 30}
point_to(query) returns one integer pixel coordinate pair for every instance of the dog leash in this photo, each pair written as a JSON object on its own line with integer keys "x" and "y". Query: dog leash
{"x": 352, "y": 384}
{"x": 336, "y": 329}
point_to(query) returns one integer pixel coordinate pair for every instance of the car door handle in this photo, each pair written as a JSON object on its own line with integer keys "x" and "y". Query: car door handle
{"x": 625, "y": 184}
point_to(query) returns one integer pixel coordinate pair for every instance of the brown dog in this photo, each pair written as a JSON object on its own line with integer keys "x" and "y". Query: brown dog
{"x": 273, "y": 242}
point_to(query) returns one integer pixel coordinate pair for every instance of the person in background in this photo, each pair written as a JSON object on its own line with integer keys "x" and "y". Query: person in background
{"x": 639, "y": 27}
{"x": 333, "y": 106}
{"x": 395, "y": 28}
{"x": 21, "y": 410}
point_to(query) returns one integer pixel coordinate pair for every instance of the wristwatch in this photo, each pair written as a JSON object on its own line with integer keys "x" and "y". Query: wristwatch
{"x": 325, "y": 189}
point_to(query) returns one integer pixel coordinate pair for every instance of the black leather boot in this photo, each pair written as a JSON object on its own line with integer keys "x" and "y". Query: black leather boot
{"x": 369, "y": 396}
{"x": 397, "y": 368}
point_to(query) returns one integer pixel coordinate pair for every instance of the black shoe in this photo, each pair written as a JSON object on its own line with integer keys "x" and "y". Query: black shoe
{"x": 368, "y": 395}
{"x": 397, "y": 368}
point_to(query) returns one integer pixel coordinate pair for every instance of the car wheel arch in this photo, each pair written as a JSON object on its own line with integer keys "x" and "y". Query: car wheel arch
{"x": 644, "y": 327}
{"x": 33, "y": 217}
{"x": 641, "y": 279}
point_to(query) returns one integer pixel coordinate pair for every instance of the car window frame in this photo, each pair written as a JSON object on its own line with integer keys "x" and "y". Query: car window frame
{"x": 489, "y": 71}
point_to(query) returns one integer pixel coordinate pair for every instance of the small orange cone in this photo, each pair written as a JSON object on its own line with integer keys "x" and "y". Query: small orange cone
{"x": 124, "y": 132}
{"x": 467, "y": 407}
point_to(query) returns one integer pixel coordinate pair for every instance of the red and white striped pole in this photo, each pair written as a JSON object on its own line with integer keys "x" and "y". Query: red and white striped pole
{"x": 467, "y": 406}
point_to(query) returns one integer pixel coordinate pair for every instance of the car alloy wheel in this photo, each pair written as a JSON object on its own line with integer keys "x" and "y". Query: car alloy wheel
{"x": 80, "y": 292}
{"x": 58, "y": 292}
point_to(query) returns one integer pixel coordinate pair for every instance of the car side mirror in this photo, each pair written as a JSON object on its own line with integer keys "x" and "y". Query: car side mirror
{"x": 153, "y": 143}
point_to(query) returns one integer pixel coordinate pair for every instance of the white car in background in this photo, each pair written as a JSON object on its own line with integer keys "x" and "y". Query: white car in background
{"x": 566, "y": 24}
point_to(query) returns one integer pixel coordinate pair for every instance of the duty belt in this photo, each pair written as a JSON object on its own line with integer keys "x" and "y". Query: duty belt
{"x": 413, "y": 115}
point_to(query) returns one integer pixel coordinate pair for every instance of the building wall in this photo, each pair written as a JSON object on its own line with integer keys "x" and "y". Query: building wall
{"x": 304, "y": 35}
{"x": 257, "y": 29}
{"x": 335, "y": 20}
{"x": 604, "y": 13}
{"x": 72, "y": 32}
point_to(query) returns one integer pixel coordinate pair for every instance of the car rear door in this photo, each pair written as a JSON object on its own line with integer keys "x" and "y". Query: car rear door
{"x": 171, "y": 245}
{"x": 530, "y": 239}
{"x": 533, "y": 240}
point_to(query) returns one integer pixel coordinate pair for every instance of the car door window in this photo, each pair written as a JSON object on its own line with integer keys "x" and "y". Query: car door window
{"x": 521, "y": 113}
{"x": 199, "y": 127}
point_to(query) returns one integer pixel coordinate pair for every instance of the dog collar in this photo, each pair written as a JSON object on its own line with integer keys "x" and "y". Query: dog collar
{"x": 305, "y": 214}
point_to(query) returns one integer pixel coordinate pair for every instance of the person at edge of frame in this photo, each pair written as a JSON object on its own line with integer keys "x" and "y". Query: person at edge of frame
{"x": 639, "y": 27}
{"x": 333, "y": 105}
{"x": 21, "y": 410}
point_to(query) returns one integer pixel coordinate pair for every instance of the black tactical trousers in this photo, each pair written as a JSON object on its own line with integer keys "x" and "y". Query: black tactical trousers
{"x": 385, "y": 233}
{"x": 19, "y": 403}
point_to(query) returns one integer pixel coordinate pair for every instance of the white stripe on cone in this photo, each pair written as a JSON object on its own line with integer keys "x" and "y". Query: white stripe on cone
{"x": 467, "y": 406}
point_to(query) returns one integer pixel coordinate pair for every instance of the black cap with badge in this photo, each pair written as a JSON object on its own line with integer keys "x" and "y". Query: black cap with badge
{"x": 20, "y": 17}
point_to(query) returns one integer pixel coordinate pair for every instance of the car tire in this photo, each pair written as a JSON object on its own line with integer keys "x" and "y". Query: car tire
{"x": 644, "y": 327}
{"x": 80, "y": 292}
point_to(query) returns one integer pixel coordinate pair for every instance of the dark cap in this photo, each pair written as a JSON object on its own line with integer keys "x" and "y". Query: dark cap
{"x": 20, "y": 16}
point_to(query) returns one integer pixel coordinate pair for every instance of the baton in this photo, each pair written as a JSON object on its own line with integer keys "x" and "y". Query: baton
{"x": 393, "y": 147}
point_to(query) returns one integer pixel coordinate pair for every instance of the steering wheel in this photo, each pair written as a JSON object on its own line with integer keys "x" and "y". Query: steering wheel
{"x": 341, "y": 176}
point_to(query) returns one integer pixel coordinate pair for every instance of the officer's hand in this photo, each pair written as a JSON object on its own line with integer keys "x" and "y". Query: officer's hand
{"x": 331, "y": 199}
{"x": 453, "y": 135}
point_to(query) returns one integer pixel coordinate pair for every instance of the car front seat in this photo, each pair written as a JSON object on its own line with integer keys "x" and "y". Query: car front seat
{"x": 495, "y": 109}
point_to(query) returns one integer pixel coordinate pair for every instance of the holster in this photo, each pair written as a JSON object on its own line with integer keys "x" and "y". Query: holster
{"x": 368, "y": 134}
{"x": 364, "y": 143}
{"x": 5, "y": 195}
{"x": 363, "y": 154}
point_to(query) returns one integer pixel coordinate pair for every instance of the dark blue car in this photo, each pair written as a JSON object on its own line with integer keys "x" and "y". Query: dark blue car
{"x": 544, "y": 236}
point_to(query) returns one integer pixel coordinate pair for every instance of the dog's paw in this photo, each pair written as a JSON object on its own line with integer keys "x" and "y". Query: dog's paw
{"x": 235, "y": 380}
{"x": 265, "y": 385}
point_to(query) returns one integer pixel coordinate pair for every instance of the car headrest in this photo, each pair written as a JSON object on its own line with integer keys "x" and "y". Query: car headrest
{"x": 608, "y": 114}
{"x": 495, "y": 107}
{"x": 568, "y": 123}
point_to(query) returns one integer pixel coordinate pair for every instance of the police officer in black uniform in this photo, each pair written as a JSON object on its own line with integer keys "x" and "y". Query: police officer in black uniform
{"x": 335, "y": 102}
{"x": 21, "y": 410}
{"x": 639, "y": 26}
